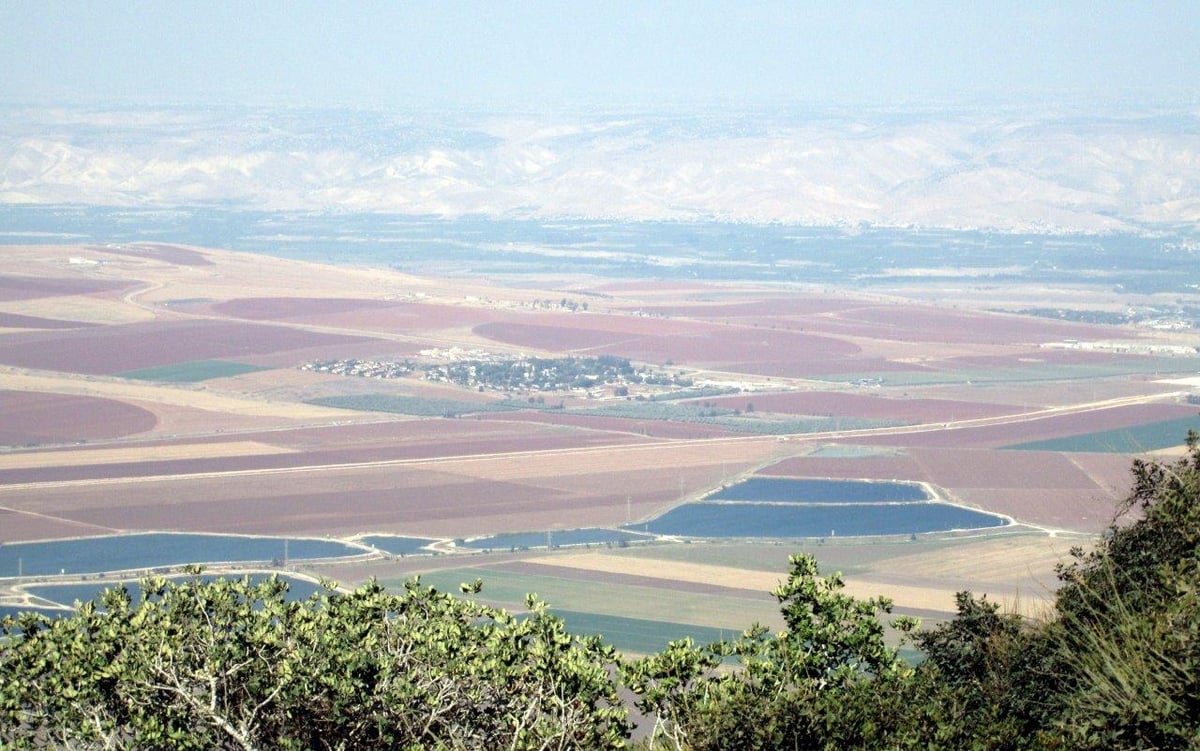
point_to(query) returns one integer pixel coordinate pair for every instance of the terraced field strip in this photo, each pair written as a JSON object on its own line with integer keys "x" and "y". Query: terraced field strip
{"x": 18, "y": 380}
{"x": 589, "y": 460}
{"x": 933, "y": 597}
{"x": 651, "y": 603}
{"x": 1008, "y": 560}
{"x": 1013, "y": 568}
{"x": 192, "y": 372}
{"x": 93, "y": 310}
{"x": 637, "y": 636}
{"x": 1134, "y": 439}
{"x": 162, "y": 452}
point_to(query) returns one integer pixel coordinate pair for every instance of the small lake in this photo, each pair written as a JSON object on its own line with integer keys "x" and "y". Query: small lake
{"x": 94, "y": 555}
{"x": 553, "y": 538}
{"x": 397, "y": 545}
{"x": 779, "y": 507}
{"x": 773, "y": 520}
{"x": 66, "y": 595}
{"x": 793, "y": 490}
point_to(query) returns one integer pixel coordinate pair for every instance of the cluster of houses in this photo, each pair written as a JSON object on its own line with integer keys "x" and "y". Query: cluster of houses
{"x": 362, "y": 368}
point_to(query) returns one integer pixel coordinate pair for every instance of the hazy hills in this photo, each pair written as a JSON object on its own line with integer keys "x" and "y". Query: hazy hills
{"x": 951, "y": 170}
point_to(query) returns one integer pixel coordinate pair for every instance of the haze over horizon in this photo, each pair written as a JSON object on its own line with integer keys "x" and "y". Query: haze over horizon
{"x": 1016, "y": 116}
{"x": 521, "y": 56}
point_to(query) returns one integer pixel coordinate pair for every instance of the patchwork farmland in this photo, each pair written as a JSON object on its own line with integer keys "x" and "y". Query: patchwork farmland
{"x": 156, "y": 388}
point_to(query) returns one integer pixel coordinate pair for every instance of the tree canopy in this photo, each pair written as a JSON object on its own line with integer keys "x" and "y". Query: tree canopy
{"x": 232, "y": 664}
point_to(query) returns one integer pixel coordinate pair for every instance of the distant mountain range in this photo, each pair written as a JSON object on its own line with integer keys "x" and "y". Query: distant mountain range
{"x": 1130, "y": 172}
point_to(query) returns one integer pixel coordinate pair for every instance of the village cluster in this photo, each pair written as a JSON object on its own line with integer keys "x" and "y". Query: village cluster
{"x": 484, "y": 371}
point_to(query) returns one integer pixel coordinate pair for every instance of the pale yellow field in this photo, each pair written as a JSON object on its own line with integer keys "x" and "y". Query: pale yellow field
{"x": 1009, "y": 560}
{"x": 15, "y": 379}
{"x": 586, "y": 461}
{"x": 137, "y": 454}
{"x": 934, "y": 595}
{"x": 79, "y": 308}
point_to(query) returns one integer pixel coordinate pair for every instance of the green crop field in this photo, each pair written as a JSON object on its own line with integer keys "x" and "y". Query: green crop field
{"x": 852, "y": 451}
{"x": 1036, "y": 372}
{"x": 761, "y": 423}
{"x": 1133, "y": 440}
{"x": 191, "y": 372}
{"x": 771, "y": 557}
{"x": 414, "y": 405}
{"x": 850, "y": 557}
{"x": 651, "y": 603}
{"x": 636, "y": 635}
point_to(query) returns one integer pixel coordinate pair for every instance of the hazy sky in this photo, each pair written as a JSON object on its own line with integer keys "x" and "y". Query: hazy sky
{"x": 393, "y": 55}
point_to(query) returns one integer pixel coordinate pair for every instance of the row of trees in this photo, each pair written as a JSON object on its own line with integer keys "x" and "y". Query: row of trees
{"x": 234, "y": 665}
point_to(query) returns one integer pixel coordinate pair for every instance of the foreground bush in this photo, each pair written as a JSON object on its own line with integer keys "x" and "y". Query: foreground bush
{"x": 1116, "y": 666}
{"x": 232, "y": 665}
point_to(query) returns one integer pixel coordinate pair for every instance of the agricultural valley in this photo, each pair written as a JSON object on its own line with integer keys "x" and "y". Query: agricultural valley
{"x": 540, "y": 429}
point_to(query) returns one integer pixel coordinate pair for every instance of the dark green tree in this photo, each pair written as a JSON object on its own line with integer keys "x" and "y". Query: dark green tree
{"x": 1128, "y": 625}
{"x": 231, "y": 664}
{"x": 788, "y": 690}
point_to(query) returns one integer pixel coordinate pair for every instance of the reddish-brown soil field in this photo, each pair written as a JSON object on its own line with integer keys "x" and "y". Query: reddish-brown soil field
{"x": 772, "y": 308}
{"x": 1035, "y": 357}
{"x": 367, "y": 315}
{"x": 30, "y": 417}
{"x": 995, "y": 436}
{"x": 18, "y": 321}
{"x": 651, "y": 428}
{"x": 412, "y": 317}
{"x": 804, "y": 367}
{"x": 1040, "y": 488}
{"x": 114, "y": 349}
{"x": 659, "y": 287}
{"x": 284, "y": 308}
{"x": 744, "y": 349}
{"x": 168, "y": 253}
{"x": 1112, "y": 473}
{"x": 405, "y": 500}
{"x": 17, "y": 527}
{"x": 428, "y": 509}
{"x": 1070, "y": 491}
{"x": 916, "y": 323}
{"x": 178, "y": 420}
{"x": 1077, "y": 509}
{"x": 866, "y": 468}
{"x": 1048, "y": 393}
{"x": 340, "y": 349}
{"x": 392, "y": 433}
{"x": 627, "y": 325}
{"x": 553, "y": 338}
{"x": 32, "y": 288}
{"x": 608, "y": 577}
{"x": 842, "y": 404}
{"x": 334, "y": 455}
{"x": 982, "y": 468}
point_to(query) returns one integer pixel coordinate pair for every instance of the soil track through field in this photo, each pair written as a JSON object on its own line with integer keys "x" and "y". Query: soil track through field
{"x": 708, "y": 444}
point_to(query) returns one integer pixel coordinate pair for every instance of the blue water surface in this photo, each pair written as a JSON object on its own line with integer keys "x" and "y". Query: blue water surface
{"x": 557, "y": 537}
{"x": 792, "y": 490}
{"x": 94, "y": 555}
{"x": 788, "y": 520}
{"x": 67, "y": 595}
{"x": 397, "y": 545}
